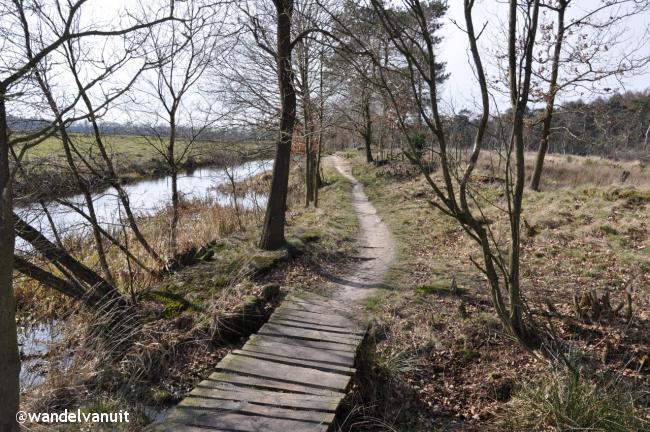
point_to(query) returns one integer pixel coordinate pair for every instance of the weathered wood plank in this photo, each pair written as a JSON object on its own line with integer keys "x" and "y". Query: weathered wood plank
{"x": 310, "y": 307}
{"x": 246, "y": 407}
{"x": 316, "y": 318}
{"x": 175, "y": 426}
{"x": 241, "y": 422}
{"x": 311, "y": 326}
{"x": 291, "y": 376}
{"x": 299, "y": 352}
{"x": 229, "y": 381}
{"x": 306, "y": 343}
{"x": 283, "y": 372}
{"x": 265, "y": 397}
{"x": 295, "y": 332}
{"x": 322, "y": 301}
{"x": 328, "y": 367}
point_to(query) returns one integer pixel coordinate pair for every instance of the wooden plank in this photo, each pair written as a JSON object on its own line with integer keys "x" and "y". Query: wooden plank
{"x": 175, "y": 426}
{"x": 246, "y": 407}
{"x": 325, "y": 302}
{"x": 310, "y": 307}
{"x": 315, "y": 318}
{"x": 299, "y": 352}
{"x": 283, "y": 372}
{"x": 298, "y": 362}
{"x": 230, "y": 421}
{"x": 229, "y": 381}
{"x": 311, "y": 326}
{"x": 271, "y": 398}
{"x": 295, "y": 332}
{"x": 305, "y": 343}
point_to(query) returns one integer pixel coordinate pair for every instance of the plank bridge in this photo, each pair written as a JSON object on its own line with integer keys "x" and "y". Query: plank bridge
{"x": 289, "y": 377}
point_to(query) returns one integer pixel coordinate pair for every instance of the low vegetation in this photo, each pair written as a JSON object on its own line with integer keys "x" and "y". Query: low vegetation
{"x": 187, "y": 321}
{"x": 442, "y": 353}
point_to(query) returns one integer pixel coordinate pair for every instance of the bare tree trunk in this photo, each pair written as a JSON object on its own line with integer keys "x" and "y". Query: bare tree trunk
{"x": 233, "y": 185}
{"x": 81, "y": 182}
{"x": 367, "y": 130}
{"x": 274, "y": 219}
{"x": 70, "y": 289}
{"x": 321, "y": 111}
{"x": 173, "y": 229}
{"x": 550, "y": 101}
{"x": 99, "y": 288}
{"x": 519, "y": 99}
{"x": 9, "y": 359}
{"x": 171, "y": 160}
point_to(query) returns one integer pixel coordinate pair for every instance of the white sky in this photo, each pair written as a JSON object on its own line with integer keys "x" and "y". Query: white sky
{"x": 461, "y": 89}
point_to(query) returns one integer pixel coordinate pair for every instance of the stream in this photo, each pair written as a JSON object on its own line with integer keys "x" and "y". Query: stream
{"x": 147, "y": 197}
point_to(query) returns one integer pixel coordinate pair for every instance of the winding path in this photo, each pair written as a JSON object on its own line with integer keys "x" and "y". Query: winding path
{"x": 376, "y": 245}
{"x": 293, "y": 374}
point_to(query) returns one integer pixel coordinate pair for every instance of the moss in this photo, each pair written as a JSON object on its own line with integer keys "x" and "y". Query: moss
{"x": 295, "y": 246}
{"x": 467, "y": 354}
{"x": 440, "y": 287}
{"x": 265, "y": 260}
{"x": 161, "y": 397}
{"x": 173, "y": 303}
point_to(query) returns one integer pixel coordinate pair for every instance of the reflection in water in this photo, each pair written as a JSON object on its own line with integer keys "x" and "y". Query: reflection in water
{"x": 34, "y": 342}
{"x": 146, "y": 197}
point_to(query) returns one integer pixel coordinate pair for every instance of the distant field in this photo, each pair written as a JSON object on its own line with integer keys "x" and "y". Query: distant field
{"x": 138, "y": 150}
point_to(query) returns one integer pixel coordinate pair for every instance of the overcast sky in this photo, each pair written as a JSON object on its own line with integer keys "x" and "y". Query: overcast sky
{"x": 461, "y": 89}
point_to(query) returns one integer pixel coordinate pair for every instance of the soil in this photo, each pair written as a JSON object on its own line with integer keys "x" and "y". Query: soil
{"x": 363, "y": 274}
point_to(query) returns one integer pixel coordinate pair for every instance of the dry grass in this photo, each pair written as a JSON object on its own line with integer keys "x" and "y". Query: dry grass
{"x": 588, "y": 231}
{"x": 175, "y": 339}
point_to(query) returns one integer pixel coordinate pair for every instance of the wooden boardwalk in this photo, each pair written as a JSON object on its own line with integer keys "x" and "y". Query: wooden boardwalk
{"x": 289, "y": 377}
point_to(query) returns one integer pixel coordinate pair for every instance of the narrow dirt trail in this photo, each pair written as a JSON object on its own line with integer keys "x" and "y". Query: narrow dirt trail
{"x": 363, "y": 275}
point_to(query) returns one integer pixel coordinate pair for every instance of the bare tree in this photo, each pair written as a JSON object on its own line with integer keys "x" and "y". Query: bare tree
{"x": 16, "y": 70}
{"x": 577, "y": 54}
{"x": 308, "y": 60}
{"x": 410, "y": 31}
{"x": 274, "y": 219}
{"x": 182, "y": 52}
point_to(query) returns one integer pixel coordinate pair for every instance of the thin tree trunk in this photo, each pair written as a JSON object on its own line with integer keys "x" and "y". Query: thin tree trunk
{"x": 9, "y": 358}
{"x": 550, "y": 101}
{"x": 519, "y": 100}
{"x": 367, "y": 131}
{"x": 110, "y": 175}
{"x": 70, "y": 289}
{"x": 274, "y": 219}
{"x": 171, "y": 160}
{"x": 173, "y": 232}
{"x": 233, "y": 185}
{"x": 81, "y": 182}
{"x": 101, "y": 289}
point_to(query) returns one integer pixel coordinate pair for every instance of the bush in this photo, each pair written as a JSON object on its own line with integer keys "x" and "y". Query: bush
{"x": 566, "y": 401}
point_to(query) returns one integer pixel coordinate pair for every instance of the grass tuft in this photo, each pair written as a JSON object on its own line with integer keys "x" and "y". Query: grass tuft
{"x": 566, "y": 401}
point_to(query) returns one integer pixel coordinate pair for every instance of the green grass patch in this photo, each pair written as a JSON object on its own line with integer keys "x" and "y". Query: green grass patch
{"x": 440, "y": 287}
